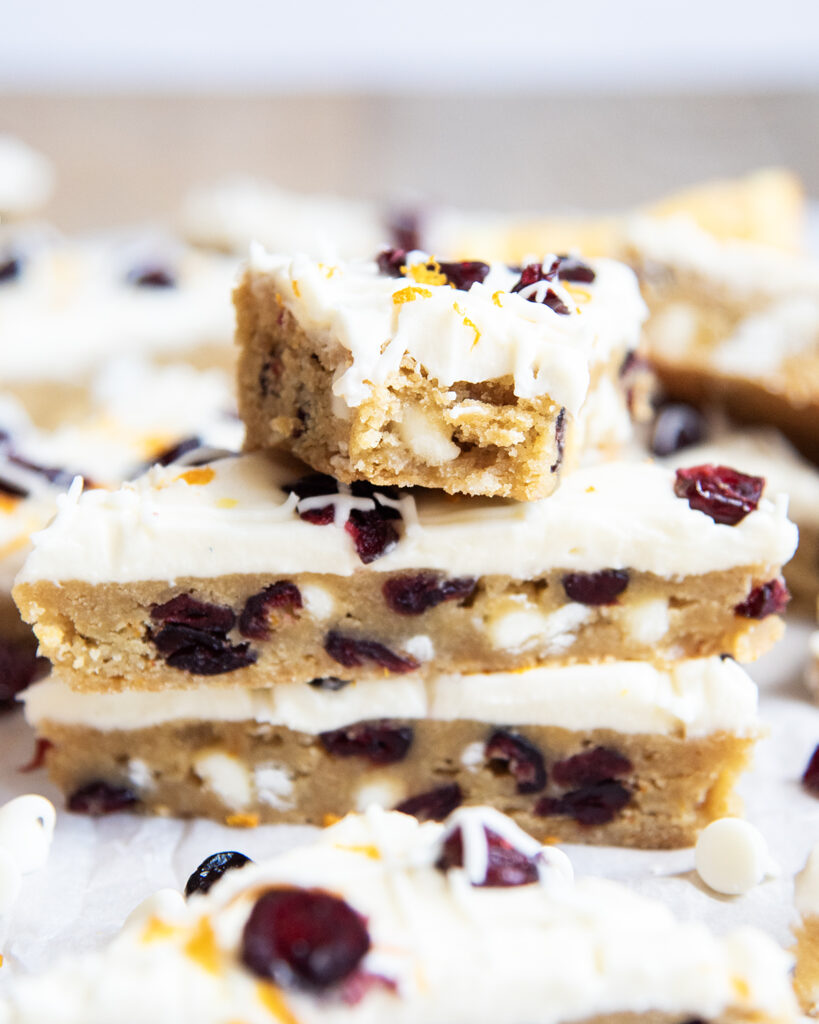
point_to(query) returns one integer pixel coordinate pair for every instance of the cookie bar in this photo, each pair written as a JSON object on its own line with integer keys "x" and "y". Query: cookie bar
{"x": 806, "y": 896}
{"x": 467, "y": 377}
{"x": 766, "y": 206}
{"x": 380, "y": 918}
{"x": 66, "y": 307}
{"x": 732, "y": 323}
{"x": 616, "y": 753}
{"x": 765, "y": 453}
{"x": 137, "y": 419}
{"x": 247, "y": 570}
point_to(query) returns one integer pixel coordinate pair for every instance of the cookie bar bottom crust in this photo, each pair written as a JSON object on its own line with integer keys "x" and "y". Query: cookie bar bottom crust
{"x": 806, "y": 972}
{"x": 100, "y": 634}
{"x": 657, "y": 792}
{"x": 468, "y": 438}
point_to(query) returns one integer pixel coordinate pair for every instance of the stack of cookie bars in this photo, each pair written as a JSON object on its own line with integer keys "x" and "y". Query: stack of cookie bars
{"x": 464, "y": 593}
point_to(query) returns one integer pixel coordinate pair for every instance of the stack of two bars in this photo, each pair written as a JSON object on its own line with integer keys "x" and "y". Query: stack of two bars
{"x": 254, "y": 641}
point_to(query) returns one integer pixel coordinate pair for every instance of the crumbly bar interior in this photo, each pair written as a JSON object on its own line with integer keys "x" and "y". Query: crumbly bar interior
{"x": 658, "y": 792}
{"x": 467, "y": 438}
{"x": 107, "y": 636}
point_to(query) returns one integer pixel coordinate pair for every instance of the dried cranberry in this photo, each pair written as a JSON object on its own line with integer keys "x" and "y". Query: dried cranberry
{"x": 722, "y": 493}
{"x": 390, "y": 261}
{"x": 414, "y": 594}
{"x": 99, "y": 797}
{"x": 12, "y": 490}
{"x": 532, "y": 273}
{"x": 319, "y": 516}
{"x": 54, "y": 474}
{"x": 212, "y": 868}
{"x": 380, "y": 742}
{"x": 10, "y": 268}
{"x": 595, "y": 765}
{"x": 177, "y": 451}
{"x": 354, "y": 988}
{"x": 312, "y": 486}
{"x": 767, "y": 599}
{"x": 38, "y": 758}
{"x": 554, "y": 301}
{"x": 364, "y": 489}
{"x": 435, "y": 804}
{"x": 19, "y": 667}
{"x": 303, "y": 938}
{"x": 464, "y": 274}
{"x": 372, "y": 531}
{"x": 506, "y": 866}
{"x": 201, "y": 653}
{"x": 522, "y": 757}
{"x": 596, "y": 804}
{"x": 677, "y": 426}
{"x": 405, "y": 229}
{"x": 185, "y": 610}
{"x": 810, "y": 780}
{"x": 603, "y": 587}
{"x": 353, "y": 653}
{"x": 152, "y": 275}
{"x": 194, "y": 637}
{"x": 254, "y": 621}
{"x": 560, "y": 439}
{"x": 571, "y": 269}
{"x": 331, "y": 683}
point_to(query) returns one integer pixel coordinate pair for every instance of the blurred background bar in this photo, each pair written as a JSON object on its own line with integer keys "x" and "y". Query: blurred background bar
{"x": 529, "y": 107}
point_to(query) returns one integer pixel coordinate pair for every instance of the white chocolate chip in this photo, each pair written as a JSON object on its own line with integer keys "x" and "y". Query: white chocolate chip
{"x": 168, "y": 904}
{"x": 226, "y": 776}
{"x": 526, "y": 624}
{"x": 274, "y": 786}
{"x": 427, "y": 437}
{"x": 731, "y": 856}
{"x": 647, "y": 622}
{"x": 10, "y": 880}
{"x": 473, "y": 755}
{"x": 382, "y": 793}
{"x": 420, "y": 647}
{"x": 26, "y": 830}
{"x": 139, "y": 774}
{"x": 318, "y": 601}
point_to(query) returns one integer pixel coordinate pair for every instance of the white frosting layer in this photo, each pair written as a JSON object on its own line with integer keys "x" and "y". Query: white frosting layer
{"x": 451, "y": 952}
{"x": 806, "y": 886}
{"x": 484, "y": 334}
{"x": 688, "y": 699}
{"x": 72, "y": 306}
{"x": 26, "y": 177}
{"x": 236, "y": 519}
{"x": 746, "y": 270}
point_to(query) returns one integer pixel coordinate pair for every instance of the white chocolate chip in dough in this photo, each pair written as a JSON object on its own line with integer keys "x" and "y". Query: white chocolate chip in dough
{"x": 515, "y": 629}
{"x": 26, "y": 830}
{"x": 420, "y": 647}
{"x": 274, "y": 786}
{"x": 318, "y": 601}
{"x": 226, "y": 776}
{"x": 381, "y": 793}
{"x": 732, "y": 856}
{"x": 647, "y": 621}
{"x": 473, "y": 755}
{"x": 427, "y": 437}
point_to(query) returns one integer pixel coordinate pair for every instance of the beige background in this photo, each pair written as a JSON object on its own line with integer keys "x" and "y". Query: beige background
{"x": 131, "y": 158}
